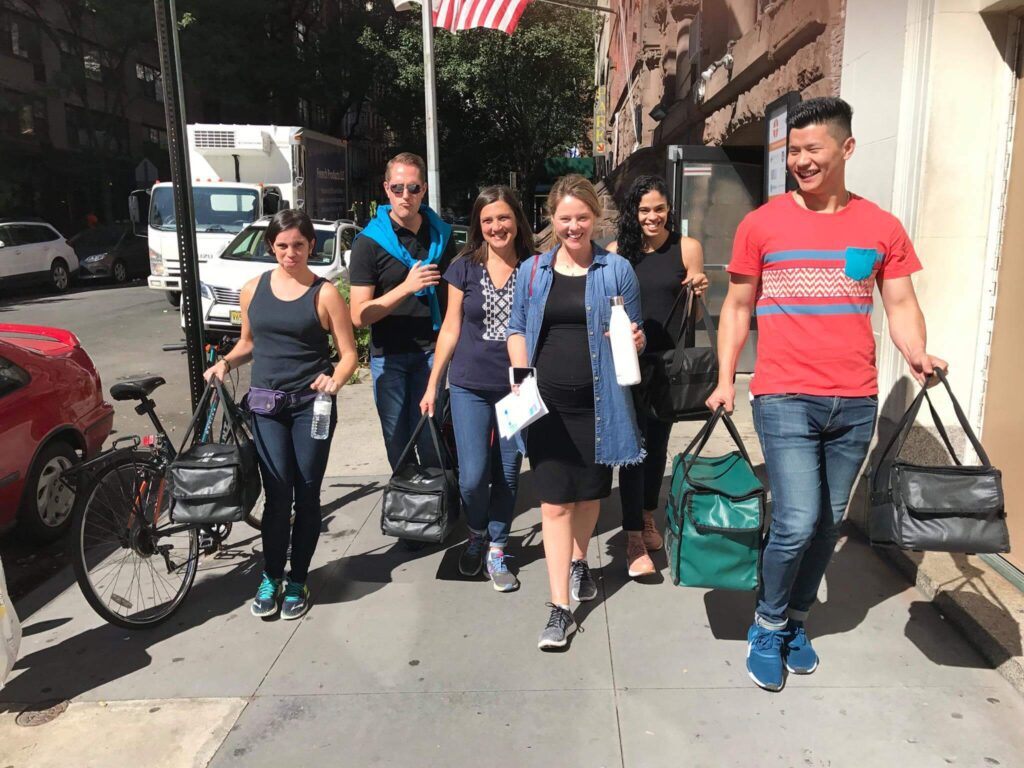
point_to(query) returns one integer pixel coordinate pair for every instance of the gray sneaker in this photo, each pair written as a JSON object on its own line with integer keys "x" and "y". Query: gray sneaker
{"x": 504, "y": 580}
{"x": 583, "y": 586}
{"x": 556, "y": 633}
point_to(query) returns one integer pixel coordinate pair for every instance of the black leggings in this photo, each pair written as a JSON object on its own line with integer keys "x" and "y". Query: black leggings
{"x": 292, "y": 464}
{"x": 640, "y": 484}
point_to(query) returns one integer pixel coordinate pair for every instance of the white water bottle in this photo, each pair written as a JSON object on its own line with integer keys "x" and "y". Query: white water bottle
{"x": 620, "y": 334}
{"x": 321, "y": 416}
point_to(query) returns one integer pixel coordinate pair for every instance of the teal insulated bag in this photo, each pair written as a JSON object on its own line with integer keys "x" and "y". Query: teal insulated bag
{"x": 715, "y": 515}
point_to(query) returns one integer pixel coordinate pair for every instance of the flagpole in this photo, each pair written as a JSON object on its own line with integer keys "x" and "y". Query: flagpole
{"x": 430, "y": 104}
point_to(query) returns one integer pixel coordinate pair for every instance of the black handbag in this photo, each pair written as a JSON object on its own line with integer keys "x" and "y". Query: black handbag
{"x": 677, "y": 382}
{"x": 937, "y": 508}
{"x": 421, "y": 503}
{"x": 216, "y": 482}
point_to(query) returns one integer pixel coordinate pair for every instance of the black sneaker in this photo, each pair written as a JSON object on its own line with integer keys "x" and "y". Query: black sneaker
{"x": 265, "y": 603}
{"x": 472, "y": 558}
{"x": 582, "y": 583}
{"x": 556, "y": 633}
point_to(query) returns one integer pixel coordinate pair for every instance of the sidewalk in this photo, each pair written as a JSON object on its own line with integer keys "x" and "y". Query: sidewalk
{"x": 403, "y": 663}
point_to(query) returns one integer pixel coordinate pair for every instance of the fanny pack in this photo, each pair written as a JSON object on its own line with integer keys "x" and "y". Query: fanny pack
{"x": 270, "y": 402}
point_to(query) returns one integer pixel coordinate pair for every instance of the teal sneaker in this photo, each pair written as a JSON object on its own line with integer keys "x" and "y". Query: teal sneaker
{"x": 265, "y": 603}
{"x": 296, "y": 601}
{"x": 764, "y": 657}
{"x": 800, "y": 656}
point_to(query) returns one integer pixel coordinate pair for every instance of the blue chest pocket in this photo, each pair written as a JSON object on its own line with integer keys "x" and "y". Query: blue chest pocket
{"x": 860, "y": 262}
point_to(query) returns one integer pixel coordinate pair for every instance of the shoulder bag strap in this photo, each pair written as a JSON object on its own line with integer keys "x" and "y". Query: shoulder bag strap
{"x": 198, "y": 414}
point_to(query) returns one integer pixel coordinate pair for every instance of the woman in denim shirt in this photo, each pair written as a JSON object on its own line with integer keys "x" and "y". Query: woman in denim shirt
{"x": 591, "y": 423}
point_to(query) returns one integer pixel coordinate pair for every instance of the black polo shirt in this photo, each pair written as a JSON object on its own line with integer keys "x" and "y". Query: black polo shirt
{"x": 409, "y": 327}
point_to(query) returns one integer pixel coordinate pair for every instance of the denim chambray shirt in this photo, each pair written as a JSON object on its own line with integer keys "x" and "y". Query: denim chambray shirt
{"x": 618, "y": 439}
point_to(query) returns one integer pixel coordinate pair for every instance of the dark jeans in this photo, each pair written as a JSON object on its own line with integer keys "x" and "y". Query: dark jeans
{"x": 488, "y": 464}
{"x": 292, "y": 464}
{"x": 399, "y": 382}
{"x": 813, "y": 450}
{"x": 640, "y": 484}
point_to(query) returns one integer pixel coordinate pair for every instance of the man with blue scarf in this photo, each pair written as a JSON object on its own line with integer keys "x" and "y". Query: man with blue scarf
{"x": 395, "y": 272}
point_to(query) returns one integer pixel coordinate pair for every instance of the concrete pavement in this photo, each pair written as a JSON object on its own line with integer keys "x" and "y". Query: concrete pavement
{"x": 403, "y": 663}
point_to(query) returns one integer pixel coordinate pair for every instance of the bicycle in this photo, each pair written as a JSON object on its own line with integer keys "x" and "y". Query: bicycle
{"x": 134, "y": 565}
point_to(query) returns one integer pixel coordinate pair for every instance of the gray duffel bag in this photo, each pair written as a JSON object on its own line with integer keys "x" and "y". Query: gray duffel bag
{"x": 937, "y": 508}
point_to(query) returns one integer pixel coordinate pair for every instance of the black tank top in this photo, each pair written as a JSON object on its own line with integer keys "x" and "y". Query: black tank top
{"x": 563, "y": 355}
{"x": 660, "y": 274}
{"x": 290, "y": 346}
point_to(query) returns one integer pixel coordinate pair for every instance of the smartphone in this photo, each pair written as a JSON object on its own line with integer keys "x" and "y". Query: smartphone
{"x": 517, "y": 376}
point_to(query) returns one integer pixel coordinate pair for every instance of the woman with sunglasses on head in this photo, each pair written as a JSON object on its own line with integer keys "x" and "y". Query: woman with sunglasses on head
{"x": 287, "y": 315}
{"x": 666, "y": 263}
{"x": 559, "y": 319}
{"x": 481, "y": 283}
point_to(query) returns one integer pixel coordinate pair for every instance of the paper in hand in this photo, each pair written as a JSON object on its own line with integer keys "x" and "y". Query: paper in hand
{"x": 516, "y": 411}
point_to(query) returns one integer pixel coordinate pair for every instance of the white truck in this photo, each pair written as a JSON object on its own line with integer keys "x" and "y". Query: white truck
{"x": 239, "y": 174}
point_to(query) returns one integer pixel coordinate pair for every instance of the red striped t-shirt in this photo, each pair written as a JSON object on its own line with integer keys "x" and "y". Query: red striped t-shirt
{"x": 818, "y": 272}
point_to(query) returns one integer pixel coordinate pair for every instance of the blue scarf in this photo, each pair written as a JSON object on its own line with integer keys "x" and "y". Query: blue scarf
{"x": 382, "y": 231}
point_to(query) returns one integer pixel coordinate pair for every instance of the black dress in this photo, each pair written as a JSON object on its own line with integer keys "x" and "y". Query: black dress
{"x": 561, "y": 445}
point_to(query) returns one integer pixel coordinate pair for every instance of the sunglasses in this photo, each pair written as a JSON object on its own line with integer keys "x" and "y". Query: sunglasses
{"x": 398, "y": 189}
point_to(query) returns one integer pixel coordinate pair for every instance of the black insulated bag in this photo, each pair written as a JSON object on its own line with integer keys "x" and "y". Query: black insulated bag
{"x": 678, "y": 381}
{"x": 937, "y": 508}
{"x": 422, "y": 503}
{"x": 216, "y": 482}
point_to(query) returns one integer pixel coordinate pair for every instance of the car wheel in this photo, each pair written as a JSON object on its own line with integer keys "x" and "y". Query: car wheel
{"x": 60, "y": 278}
{"x": 46, "y": 506}
{"x": 119, "y": 271}
{"x": 174, "y": 298}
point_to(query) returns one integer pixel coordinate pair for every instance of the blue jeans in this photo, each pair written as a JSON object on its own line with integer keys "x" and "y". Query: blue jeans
{"x": 399, "y": 382}
{"x": 488, "y": 464}
{"x": 813, "y": 450}
{"x": 292, "y": 465}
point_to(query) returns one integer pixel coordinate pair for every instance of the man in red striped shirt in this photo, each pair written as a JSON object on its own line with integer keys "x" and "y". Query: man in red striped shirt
{"x": 809, "y": 261}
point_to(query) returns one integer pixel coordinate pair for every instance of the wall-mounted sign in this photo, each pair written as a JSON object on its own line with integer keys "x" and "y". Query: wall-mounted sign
{"x": 776, "y": 179}
{"x": 600, "y": 122}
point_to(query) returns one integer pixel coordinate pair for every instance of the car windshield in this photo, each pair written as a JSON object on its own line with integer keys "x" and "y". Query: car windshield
{"x": 98, "y": 237}
{"x": 250, "y": 246}
{"x": 216, "y": 210}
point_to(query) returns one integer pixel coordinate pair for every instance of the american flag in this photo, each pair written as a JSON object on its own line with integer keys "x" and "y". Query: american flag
{"x": 456, "y": 15}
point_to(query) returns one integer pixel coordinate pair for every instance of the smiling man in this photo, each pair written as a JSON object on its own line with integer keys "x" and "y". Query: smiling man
{"x": 809, "y": 262}
{"x": 395, "y": 269}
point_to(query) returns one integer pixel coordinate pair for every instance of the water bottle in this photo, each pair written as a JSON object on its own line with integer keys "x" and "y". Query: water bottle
{"x": 620, "y": 334}
{"x": 321, "y": 416}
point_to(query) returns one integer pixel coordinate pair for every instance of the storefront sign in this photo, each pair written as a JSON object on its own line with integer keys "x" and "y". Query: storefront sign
{"x": 776, "y": 179}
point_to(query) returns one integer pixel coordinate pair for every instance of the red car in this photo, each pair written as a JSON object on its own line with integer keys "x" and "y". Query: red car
{"x": 52, "y": 414}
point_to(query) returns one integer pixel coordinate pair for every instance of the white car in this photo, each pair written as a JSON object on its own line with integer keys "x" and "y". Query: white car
{"x": 222, "y": 278}
{"x": 35, "y": 252}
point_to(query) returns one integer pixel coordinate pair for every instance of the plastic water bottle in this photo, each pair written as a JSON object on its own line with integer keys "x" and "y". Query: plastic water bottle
{"x": 321, "y": 416}
{"x": 620, "y": 333}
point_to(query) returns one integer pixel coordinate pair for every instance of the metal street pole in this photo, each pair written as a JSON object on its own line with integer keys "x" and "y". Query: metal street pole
{"x": 430, "y": 102}
{"x": 184, "y": 207}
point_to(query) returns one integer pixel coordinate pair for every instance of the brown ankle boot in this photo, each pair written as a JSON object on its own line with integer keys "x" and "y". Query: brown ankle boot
{"x": 652, "y": 539}
{"x": 638, "y": 562}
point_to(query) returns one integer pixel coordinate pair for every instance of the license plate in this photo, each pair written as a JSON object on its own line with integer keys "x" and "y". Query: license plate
{"x": 236, "y": 317}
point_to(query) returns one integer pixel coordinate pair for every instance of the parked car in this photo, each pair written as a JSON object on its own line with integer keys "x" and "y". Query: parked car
{"x": 32, "y": 251}
{"x": 52, "y": 414}
{"x": 222, "y": 278}
{"x": 111, "y": 252}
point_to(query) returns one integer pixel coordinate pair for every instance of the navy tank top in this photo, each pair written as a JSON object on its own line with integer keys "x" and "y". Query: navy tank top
{"x": 290, "y": 347}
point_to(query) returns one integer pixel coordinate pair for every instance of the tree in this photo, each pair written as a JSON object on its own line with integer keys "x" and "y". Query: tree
{"x": 505, "y": 103}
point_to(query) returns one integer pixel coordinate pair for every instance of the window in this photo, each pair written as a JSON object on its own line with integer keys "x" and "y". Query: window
{"x": 12, "y": 377}
{"x": 109, "y": 133}
{"x": 155, "y": 136}
{"x": 22, "y": 116}
{"x": 6, "y": 238}
{"x": 251, "y": 246}
{"x": 92, "y": 64}
{"x": 78, "y": 57}
{"x": 149, "y": 81}
{"x": 319, "y": 117}
{"x": 303, "y": 111}
{"x": 345, "y": 236}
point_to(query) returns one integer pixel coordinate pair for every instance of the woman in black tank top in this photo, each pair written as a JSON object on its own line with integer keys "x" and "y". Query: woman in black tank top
{"x": 287, "y": 315}
{"x": 664, "y": 262}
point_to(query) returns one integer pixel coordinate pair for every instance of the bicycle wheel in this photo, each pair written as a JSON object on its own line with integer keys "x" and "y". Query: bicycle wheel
{"x": 132, "y": 564}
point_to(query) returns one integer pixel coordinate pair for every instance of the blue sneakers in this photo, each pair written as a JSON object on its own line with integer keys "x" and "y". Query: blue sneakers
{"x": 764, "y": 657}
{"x": 296, "y": 601}
{"x": 265, "y": 603}
{"x": 800, "y": 656}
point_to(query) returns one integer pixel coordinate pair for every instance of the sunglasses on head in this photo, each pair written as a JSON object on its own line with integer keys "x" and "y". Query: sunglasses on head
{"x": 398, "y": 189}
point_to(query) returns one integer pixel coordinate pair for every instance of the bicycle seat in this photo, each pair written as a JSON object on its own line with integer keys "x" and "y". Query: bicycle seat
{"x": 135, "y": 389}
